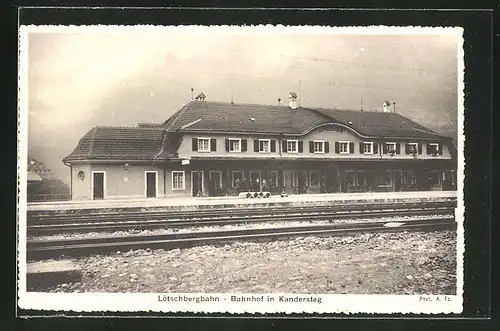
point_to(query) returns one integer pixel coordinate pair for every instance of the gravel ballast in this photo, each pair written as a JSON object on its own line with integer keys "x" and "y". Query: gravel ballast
{"x": 373, "y": 263}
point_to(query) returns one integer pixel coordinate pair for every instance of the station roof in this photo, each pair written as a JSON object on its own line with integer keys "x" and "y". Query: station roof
{"x": 121, "y": 143}
{"x": 198, "y": 116}
{"x": 243, "y": 118}
{"x": 161, "y": 141}
{"x": 380, "y": 124}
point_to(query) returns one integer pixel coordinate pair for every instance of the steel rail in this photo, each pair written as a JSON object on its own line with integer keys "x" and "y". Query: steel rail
{"x": 86, "y": 246}
{"x": 48, "y": 229}
{"x": 144, "y": 215}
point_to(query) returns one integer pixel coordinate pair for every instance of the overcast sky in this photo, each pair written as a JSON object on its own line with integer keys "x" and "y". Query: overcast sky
{"x": 81, "y": 79}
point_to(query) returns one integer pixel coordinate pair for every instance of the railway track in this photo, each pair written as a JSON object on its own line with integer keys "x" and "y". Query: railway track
{"x": 169, "y": 224}
{"x": 55, "y": 224}
{"x": 40, "y": 249}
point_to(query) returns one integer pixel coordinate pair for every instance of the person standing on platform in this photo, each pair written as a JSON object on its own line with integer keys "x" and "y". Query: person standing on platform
{"x": 246, "y": 185}
{"x": 264, "y": 185}
{"x": 237, "y": 185}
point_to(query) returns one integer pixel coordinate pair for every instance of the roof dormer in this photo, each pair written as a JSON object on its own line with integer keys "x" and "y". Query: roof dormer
{"x": 200, "y": 97}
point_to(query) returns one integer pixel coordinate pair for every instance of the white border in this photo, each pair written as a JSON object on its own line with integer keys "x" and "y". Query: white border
{"x": 144, "y": 302}
{"x": 266, "y": 29}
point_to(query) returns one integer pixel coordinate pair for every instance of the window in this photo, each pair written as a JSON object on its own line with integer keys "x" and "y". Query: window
{"x": 235, "y": 145}
{"x": 178, "y": 182}
{"x": 344, "y": 147}
{"x": 433, "y": 148}
{"x": 367, "y": 148}
{"x": 291, "y": 146}
{"x": 81, "y": 175}
{"x": 273, "y": 178}
{"x": 264, "y": 145}
{"x": 314, "y": 179}
{"x": 391, "y": 148}
{"x": 413, "y": 148}
{"x": 203, "y": 144}
{"x": 236, "y": 178}
{"x": 319, "y": 147}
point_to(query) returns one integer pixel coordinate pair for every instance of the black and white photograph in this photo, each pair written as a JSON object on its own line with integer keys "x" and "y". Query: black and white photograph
{"x": 241, "y": 169}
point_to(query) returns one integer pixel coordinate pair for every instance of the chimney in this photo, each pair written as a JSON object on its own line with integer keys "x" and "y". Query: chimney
{"x": 292, "y": 100}
{"x": 385, "y": 106}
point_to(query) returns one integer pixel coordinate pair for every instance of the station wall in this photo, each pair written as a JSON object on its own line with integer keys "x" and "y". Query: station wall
{"x": 330, "y": 134}
{"x": 81, "y": 186}
{"x": 120, "y": 181}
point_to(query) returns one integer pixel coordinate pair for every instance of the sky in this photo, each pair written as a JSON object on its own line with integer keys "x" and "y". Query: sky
{"x": 80, "y": 79}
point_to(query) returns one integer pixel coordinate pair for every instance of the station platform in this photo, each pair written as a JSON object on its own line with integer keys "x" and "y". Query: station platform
{"x": 235, "y": 202}
{"x": 44, "y": 274}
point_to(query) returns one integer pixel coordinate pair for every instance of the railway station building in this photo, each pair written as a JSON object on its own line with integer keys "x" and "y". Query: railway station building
{"x": 217, "y": 149}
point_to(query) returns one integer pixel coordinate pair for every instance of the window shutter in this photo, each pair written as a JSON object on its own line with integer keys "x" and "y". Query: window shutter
{"x": 407, "y": 148}
{"x": 327, "y": 147}
{"x": 375, "y": 148}
{"x": 311, "y": 146}
{"x": 227, "y": 145}
{"x": 419, "y": 147}
{"x": 213, "y": 145}
{"x": 301, "y": 146}
{"x": 428, "y": 147}
{"x": 256, "y": 145}
{"x": 283, "y": 145}
{"x": 384, "y": 147}
{"x": 243, "y": 145}
{"x": 273, "y": 146}
{"x": 398, "y": 148}
{"x": 351, "y": 148}
{"x": 361, "y": 151}
{"x": 195, "y": 144}
{"x": 337, "y": 147}
{"x": 440, "y": 149}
